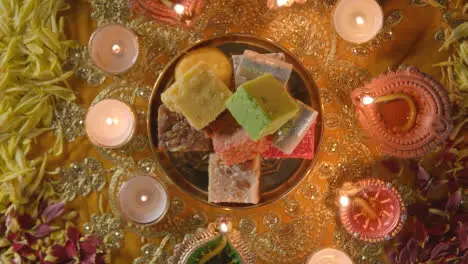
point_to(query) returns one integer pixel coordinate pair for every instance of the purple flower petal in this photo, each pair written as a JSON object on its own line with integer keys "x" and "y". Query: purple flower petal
{"x": 73, "y": 234}
{"x": 459, "y": 218}
{"x": 23, "y": 250}
{"x": 90, "y": 259}
{"x": 409, "y": 253}
{"x": 465, "y": 258}
{"x": 404, "y": 256}
{"x": 89, "y": 245}
{"x": 100, "y": 259}
{"x": 430, "y": 186}
{"x": 462, "y": 236}
{"x": 440, "y": 250}
{"x": 25, "y": 221}
{"x": 425, "y": 255}
{"x": 393, "y": 256}
{"x": 30, "y": 238}
{"x": 71, "y": 249}
{"x": 454, "y": 202}
{"x": 438, "y": 229}
{"x": 422, "y": 176}
{"x": 52, "y": 211}
{"x": 419, "y": 210}
{"x": 413, "y": 250}
{"x": 453, "y": 185}
{"x": 463, "y": 173}
{"x": 13, "y": 236}
{"x": 42, "y": 230}
{"x": 420, "y": 233}
{"x": 60, "y": 253}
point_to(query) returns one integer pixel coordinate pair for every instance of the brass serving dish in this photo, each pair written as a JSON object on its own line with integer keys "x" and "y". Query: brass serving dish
{"x": 189, "y": 170}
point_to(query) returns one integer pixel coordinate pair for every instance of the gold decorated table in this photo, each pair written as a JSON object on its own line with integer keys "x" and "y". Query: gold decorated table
{"x": 289, "y": 229}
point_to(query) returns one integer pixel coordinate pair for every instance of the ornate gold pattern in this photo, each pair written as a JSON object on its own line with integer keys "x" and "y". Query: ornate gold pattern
{"x": 108, "y": 228}
{"x": 80, "y": 179}
{"x": 288, "y": 230}
{"x": 70, "y": 116}
{"x": 84, "y": 68}
{"x": 153, "y": 254}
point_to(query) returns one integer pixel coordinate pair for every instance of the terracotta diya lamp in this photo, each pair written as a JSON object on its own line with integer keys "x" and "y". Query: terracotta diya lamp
{"x": 406, "y": 111}
{"x": 169, "y": 11}
{"x": 371, "y": 210}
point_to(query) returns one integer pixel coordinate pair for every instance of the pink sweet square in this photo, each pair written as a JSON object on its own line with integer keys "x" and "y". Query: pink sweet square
{"x": 305, "y": 149}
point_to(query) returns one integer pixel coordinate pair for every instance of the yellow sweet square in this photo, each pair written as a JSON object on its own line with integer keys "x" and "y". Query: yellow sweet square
{"x": 199, "y": 95}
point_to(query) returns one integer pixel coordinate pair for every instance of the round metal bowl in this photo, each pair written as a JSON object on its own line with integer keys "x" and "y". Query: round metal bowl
{"x": 189, "y": 171}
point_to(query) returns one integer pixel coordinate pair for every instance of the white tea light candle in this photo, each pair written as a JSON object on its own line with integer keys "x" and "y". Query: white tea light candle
{"x": 358, "y": 21}
{"x": 329, "y": 256}
{"x": 143, "y": 200}
{"x": 110, "y": 123}
{"x": 113, "y": 48}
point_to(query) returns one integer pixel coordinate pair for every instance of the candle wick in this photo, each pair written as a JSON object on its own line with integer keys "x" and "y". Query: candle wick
{"x": 116, "y": 49}
{"x": 367, "y": 100}
{"x": 344, "y": 201}
{"x": 281, "y": 2}
{"x": 109, "y": 121}
{"x": 179, "y": 9}
{"x": 360, "y": 20}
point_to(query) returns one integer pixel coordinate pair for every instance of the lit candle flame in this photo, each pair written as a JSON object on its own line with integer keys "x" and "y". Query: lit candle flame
{"x": 112, "y": 121}
{"x": 116, "y": 49}
{"x": 360, "y": 20}
{"x": 223, "y": 228}
{"x": 367, "y": 100}
{"x": 109, "y": 121}
{"x": 344, "y": 201}
{"x": 144, "y": 198}
{"x": 281, "y": 2}
{"x": 179, "y": 9}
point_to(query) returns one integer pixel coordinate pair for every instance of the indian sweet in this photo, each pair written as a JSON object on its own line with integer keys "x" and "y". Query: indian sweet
{"x": 199, "y": 95}
{"x": 238, "y": 183}
{"x": 213, "y": 57}
{"x": 262, "y": 106}
{"x": 254, "y": 65}
{"x": 176, "y": 134}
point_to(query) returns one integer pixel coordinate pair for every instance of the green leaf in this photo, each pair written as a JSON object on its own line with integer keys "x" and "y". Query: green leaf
{"x": 60, "y": 92}
{"x": 458, "y": 33}
{"x": 38, "y": 179}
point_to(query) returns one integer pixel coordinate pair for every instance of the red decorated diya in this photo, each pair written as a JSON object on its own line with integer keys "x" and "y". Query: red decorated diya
{"x": 371, "y": 210}
{"x": 169, "y": 11}
{"x": 406, "y": 111}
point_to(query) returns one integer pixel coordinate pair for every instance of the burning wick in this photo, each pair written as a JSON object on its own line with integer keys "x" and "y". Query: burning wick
{"x": 281, "y": 2}
{"x": 112, "y": 121}
{"x": 116, "y": 49}
{"x": 223, "y": 227}
{"x": 144, "y": 198}
{"x": 367, "y": 100}
{"x": 344, "y": 201}
{"x": 179, "y": 9}
{"x": 360, "y": 20}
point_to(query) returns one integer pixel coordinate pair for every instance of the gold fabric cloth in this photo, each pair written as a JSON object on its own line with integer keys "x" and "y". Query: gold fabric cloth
{"x": 290, "y": 229}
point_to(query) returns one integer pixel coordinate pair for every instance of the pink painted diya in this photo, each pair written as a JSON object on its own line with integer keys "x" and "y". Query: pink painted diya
{"x": 168, "y": 11}
{"x": 371, "y": 210}
{"x": 406, "y": 111}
